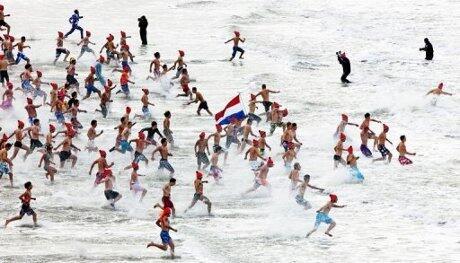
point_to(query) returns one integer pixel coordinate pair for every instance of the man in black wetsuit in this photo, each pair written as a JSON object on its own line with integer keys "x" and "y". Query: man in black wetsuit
{"x": 143, "y": 29}
{"x": 428, "y": 49}
{"x": 345, "y": 62}
{"x": 151, "y": 132}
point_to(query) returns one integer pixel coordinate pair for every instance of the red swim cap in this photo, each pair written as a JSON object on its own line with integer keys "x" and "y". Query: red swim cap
{"x": 285, "y": 112}
{"x": 255, "y": 143}
{"x": 141, "y": 135}
{"x": 262, "y": 134}
{"x": 2, "y": 7}
{"x": 68, "y": 126}
{"x": 92, "y": 70}
{"x": 20, "y": 124}
{"x": 344, "y": 117}
{"x": 9, "y": 85}
{"x": 39, "y": 74}
{"x": 103, "y": 153}
{"x": 166, "y": 212}
{"x": 128, "y": 110}
{"x": 11, "y": 38}
{"x": 29, "y": 101}
{"x": 350, "y": 150}
{"x": 54, "y": 85}
{"x": 333, "y": 198}
{"x": 101, "y": 59}
{"x": 107, "y": 172}
{"x": 440, "y": 85}
{"x": 60, "y": 34}
{"x": 236, "y": 33}
{"x": 5, "y": 137}
{"x": 218, "y": 127}
{"x": 122, "y": 33}
{"x": 343, "y": 137}
{"x": 109, "y": 83}
{"x": 146, "y": 91}
{"x": 270, "y": 162}
{"x": 52, "y": 128}
{"x": 135, "y": 166}
{"x": 275, "y": 105}
{"x": 199, "y": 175}
{"x": 181, "y": 53}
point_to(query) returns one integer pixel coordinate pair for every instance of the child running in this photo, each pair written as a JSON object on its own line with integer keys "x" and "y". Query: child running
{"x": 25, "y": 198}
{"x": 322, "y": 216}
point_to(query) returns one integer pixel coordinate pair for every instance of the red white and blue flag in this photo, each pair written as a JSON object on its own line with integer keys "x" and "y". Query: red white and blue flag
{"x": 234, "y": 109}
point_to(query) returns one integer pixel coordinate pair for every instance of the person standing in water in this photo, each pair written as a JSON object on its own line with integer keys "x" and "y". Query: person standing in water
{"x": 143, "y": 23}
{"x": 299, "y": 198}
{"x": 236, "y": 40}
{"x": 74, "y": 21}
{"x": 25, "y": 198}
{"x": 428, "y": 49}
{"x": 381, "y": 139}
{"x": 352, "y": 162}
{"x": 438, "y": 91}
{"x": 345, "y": 62}
{"x": 401, "y": 148}
{"x": 322, "y": 215}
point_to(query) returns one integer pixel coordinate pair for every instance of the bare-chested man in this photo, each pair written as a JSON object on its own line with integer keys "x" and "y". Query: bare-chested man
{"x": 254, "y": 153}
{"x": 343, "y": 123}
{"x": 21, "y": 45}
{"x": 261, "y": 176}
{"x": 67, "y": 146}
{"x": 201, "y": 146}
{"x": 247, "y": 130}
{"x": 6, "y": 165}
{"x": 236, "y": 40}
{"x": 85, "y": 45}
{"x": 60, "y": 48}
{"x": 108, "y": 180}
{"x": 156, "y": 64}
{"x": 199, "y": 98}
{"x": 401, "y": 148}
{"x": 199, "y": 195}
{"x": 34, "y": 134}
{"x": 141, "y": 144}
{"x": 265, "y": 93}
{"x": 166, "y": 199}
{"x": 2, "y": 20}
{"x": 179, "y": 64}
{"x": 289, "y": 156}
{"x": 338, "y": 149}
{"x": 217, "y": 136}
{"x": 101, "y": 166}
{"x": 164, "y": 164}
{"x": 145, "y": 106}
{"x": 19, "y": 136}
{"x": 92, "y": 134}
{"x": 381, "y": 139}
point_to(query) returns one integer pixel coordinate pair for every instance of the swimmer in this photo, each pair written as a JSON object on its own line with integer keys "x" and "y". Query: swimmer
{"x": 352, "y": 162}
{"x": 254, "y": 153}
{"x": 236, "y": 40}
{"x": 203, "y": 104}
{"x": 265, "y": 94}
{"x": 124, "y": 81}
{"x": 343, "y": 124}
{"x": 85, "y": 45}
{"x": 89, "y": 84}
{"x": 252, "y": 109}
{"x": 2, "y": 19}
{"x": 25, "y": 198}
{"x": 289, "y": 156}
{"x": 263, "y": 143}
{"x": 67, "y": 145}
{"x": 217, "y": 136}
{"x": 157, "y": 64}
{"x": 184, "y": 81}
{"x": 166, "y": 240}
{"x": 164, "y": 163}
{"x": 401, "y": 148}
{"x": 365, "y": 136}
{"x": 179, "y": 64}
{"x": 199, "y": 196}
{"x": 60, "y": 48}
{"x": 261, "y": 176}
{"x": 145, "y": 106}
{"x": 101, "y": 166}
{"x": 108, "y": 180}
{"x": 92, "y": 135}
{"x": 322, "y": 215}
{"x": 47, "y": 158}
{"x": 215, "y": 171}
{"x": 6, "y": 164}
{"x": 151, "y": 131}
{"x": 21, "y": 46}
{"x": 141, "y": 144}
{"x": 19, "y": 134}
{"x": 438, "y": 91}
{"x": 247, "y": 130}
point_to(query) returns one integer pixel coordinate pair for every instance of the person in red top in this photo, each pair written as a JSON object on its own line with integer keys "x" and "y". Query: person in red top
{"x": 124, "y": 80}
{"x": 25, "y": 198}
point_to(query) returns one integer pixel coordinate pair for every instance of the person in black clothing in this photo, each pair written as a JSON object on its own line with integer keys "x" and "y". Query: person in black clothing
{"x": 428, "y": 49}
{"x": 345, "y": 62}
{"x": 143, "y": 29}
{"x": 151, "y": 132}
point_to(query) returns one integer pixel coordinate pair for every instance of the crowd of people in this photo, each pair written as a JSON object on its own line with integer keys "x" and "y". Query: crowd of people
{"x": 63, "y": 99}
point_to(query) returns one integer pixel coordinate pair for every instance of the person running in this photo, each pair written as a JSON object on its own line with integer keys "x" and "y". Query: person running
{"x": 343, "y": 123}
{"x": 252, "y": 109}
{"x": 166, "y": 240}
{"x": 201, "y": 146}
{"x": 7, "y": 97}
{"x": 352, "y": 162}
{"x": 71, "y": 80}
{"x": 215, "y": 171}
{"x": 66, "y": 154}
{"x": 345, "y": 62}
{"x": 108, "y": 180}
{"x": 231, "y": 132}
{"x": 110, "y": 49}
{"x": 179, "y": 64}
{"x": 2, "y": 19}
{"x": 47, "y": 158}
{"x": 365, "y": 136}
{"x": 276, "y": 118}
{"x": 299, "y": 198}
{"x": 37, "y": 82}
{"x": 20, "y": 55}
{"x": 167, "y": 128}
{"x": 203, "y": 104}
{"x": 164, "y": 163}
{"x": 31, "y": 110}
{"x": 263, "y": 143}
{"x": 134, "y": 184}
{"x": 289, "y": 156}
{"x": 254, "y": 153}
{"x": 156, "y": 63}
{"x": 6, "y": 164}
{"x": 151, "y": 131}
{"x": 166, "y": 199}
{"x": 34, "y": 134}
{"x": 106, "y": 99}
{"x": 85, "y": 45}
{"x": 236, "y": 40}
{"x": 73, "y": 20}
{"x": 89, "y": 84}
{"x": 124, "y": 81}
{"x": 338, "y": 149}
{"x": 322, "y": 215}
{"x": 101, "y": 166}
{"x": 401, "y": 148}
{"x": 60, "y": 48}
{"x": 381, "y": 139}
{"x": 25, "y": 198}
{"x": 247, "y": 130}
{"x": 265, "y": 94}
{"x": 199, "y": 196}
{"x": 217, "y": 136}
{"x": 145, "y": 106}
{"x": 92, "y": 135}
{"x": 141, "y": 144}
{"x": 19, "y": 136}
{"x": 99, "y": 77}
{"x": 261, "y": 176}
{"x": 428, "y": 49}
{"x": 26, "y": 79}
{"x": 184, "y": 81}
{"x": 4, "y": 63}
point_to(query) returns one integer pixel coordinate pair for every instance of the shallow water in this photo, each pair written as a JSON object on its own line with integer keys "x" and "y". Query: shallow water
{"x": 399, "y": 214}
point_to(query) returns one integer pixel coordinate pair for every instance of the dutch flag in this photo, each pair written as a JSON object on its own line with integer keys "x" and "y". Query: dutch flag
{"x": 233, "y": 109}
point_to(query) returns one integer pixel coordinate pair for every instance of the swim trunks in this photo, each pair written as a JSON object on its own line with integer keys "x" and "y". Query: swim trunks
{"x": 165, "y": 238}
{"x": 166, "y": 165}
{"x": 383, "y": 150}
{"x": 403, "y": 160}
{"x": 26, "y": 209}
{"x": 201, "y": 157}
{"x": 167, "y": 202}
{"x": 110, "y": 194}
{"x": 301, "y": 201}
{"x": 64, "y": 155}
{"x": 322, "y": 218}
{"x": 365, "y": 151}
